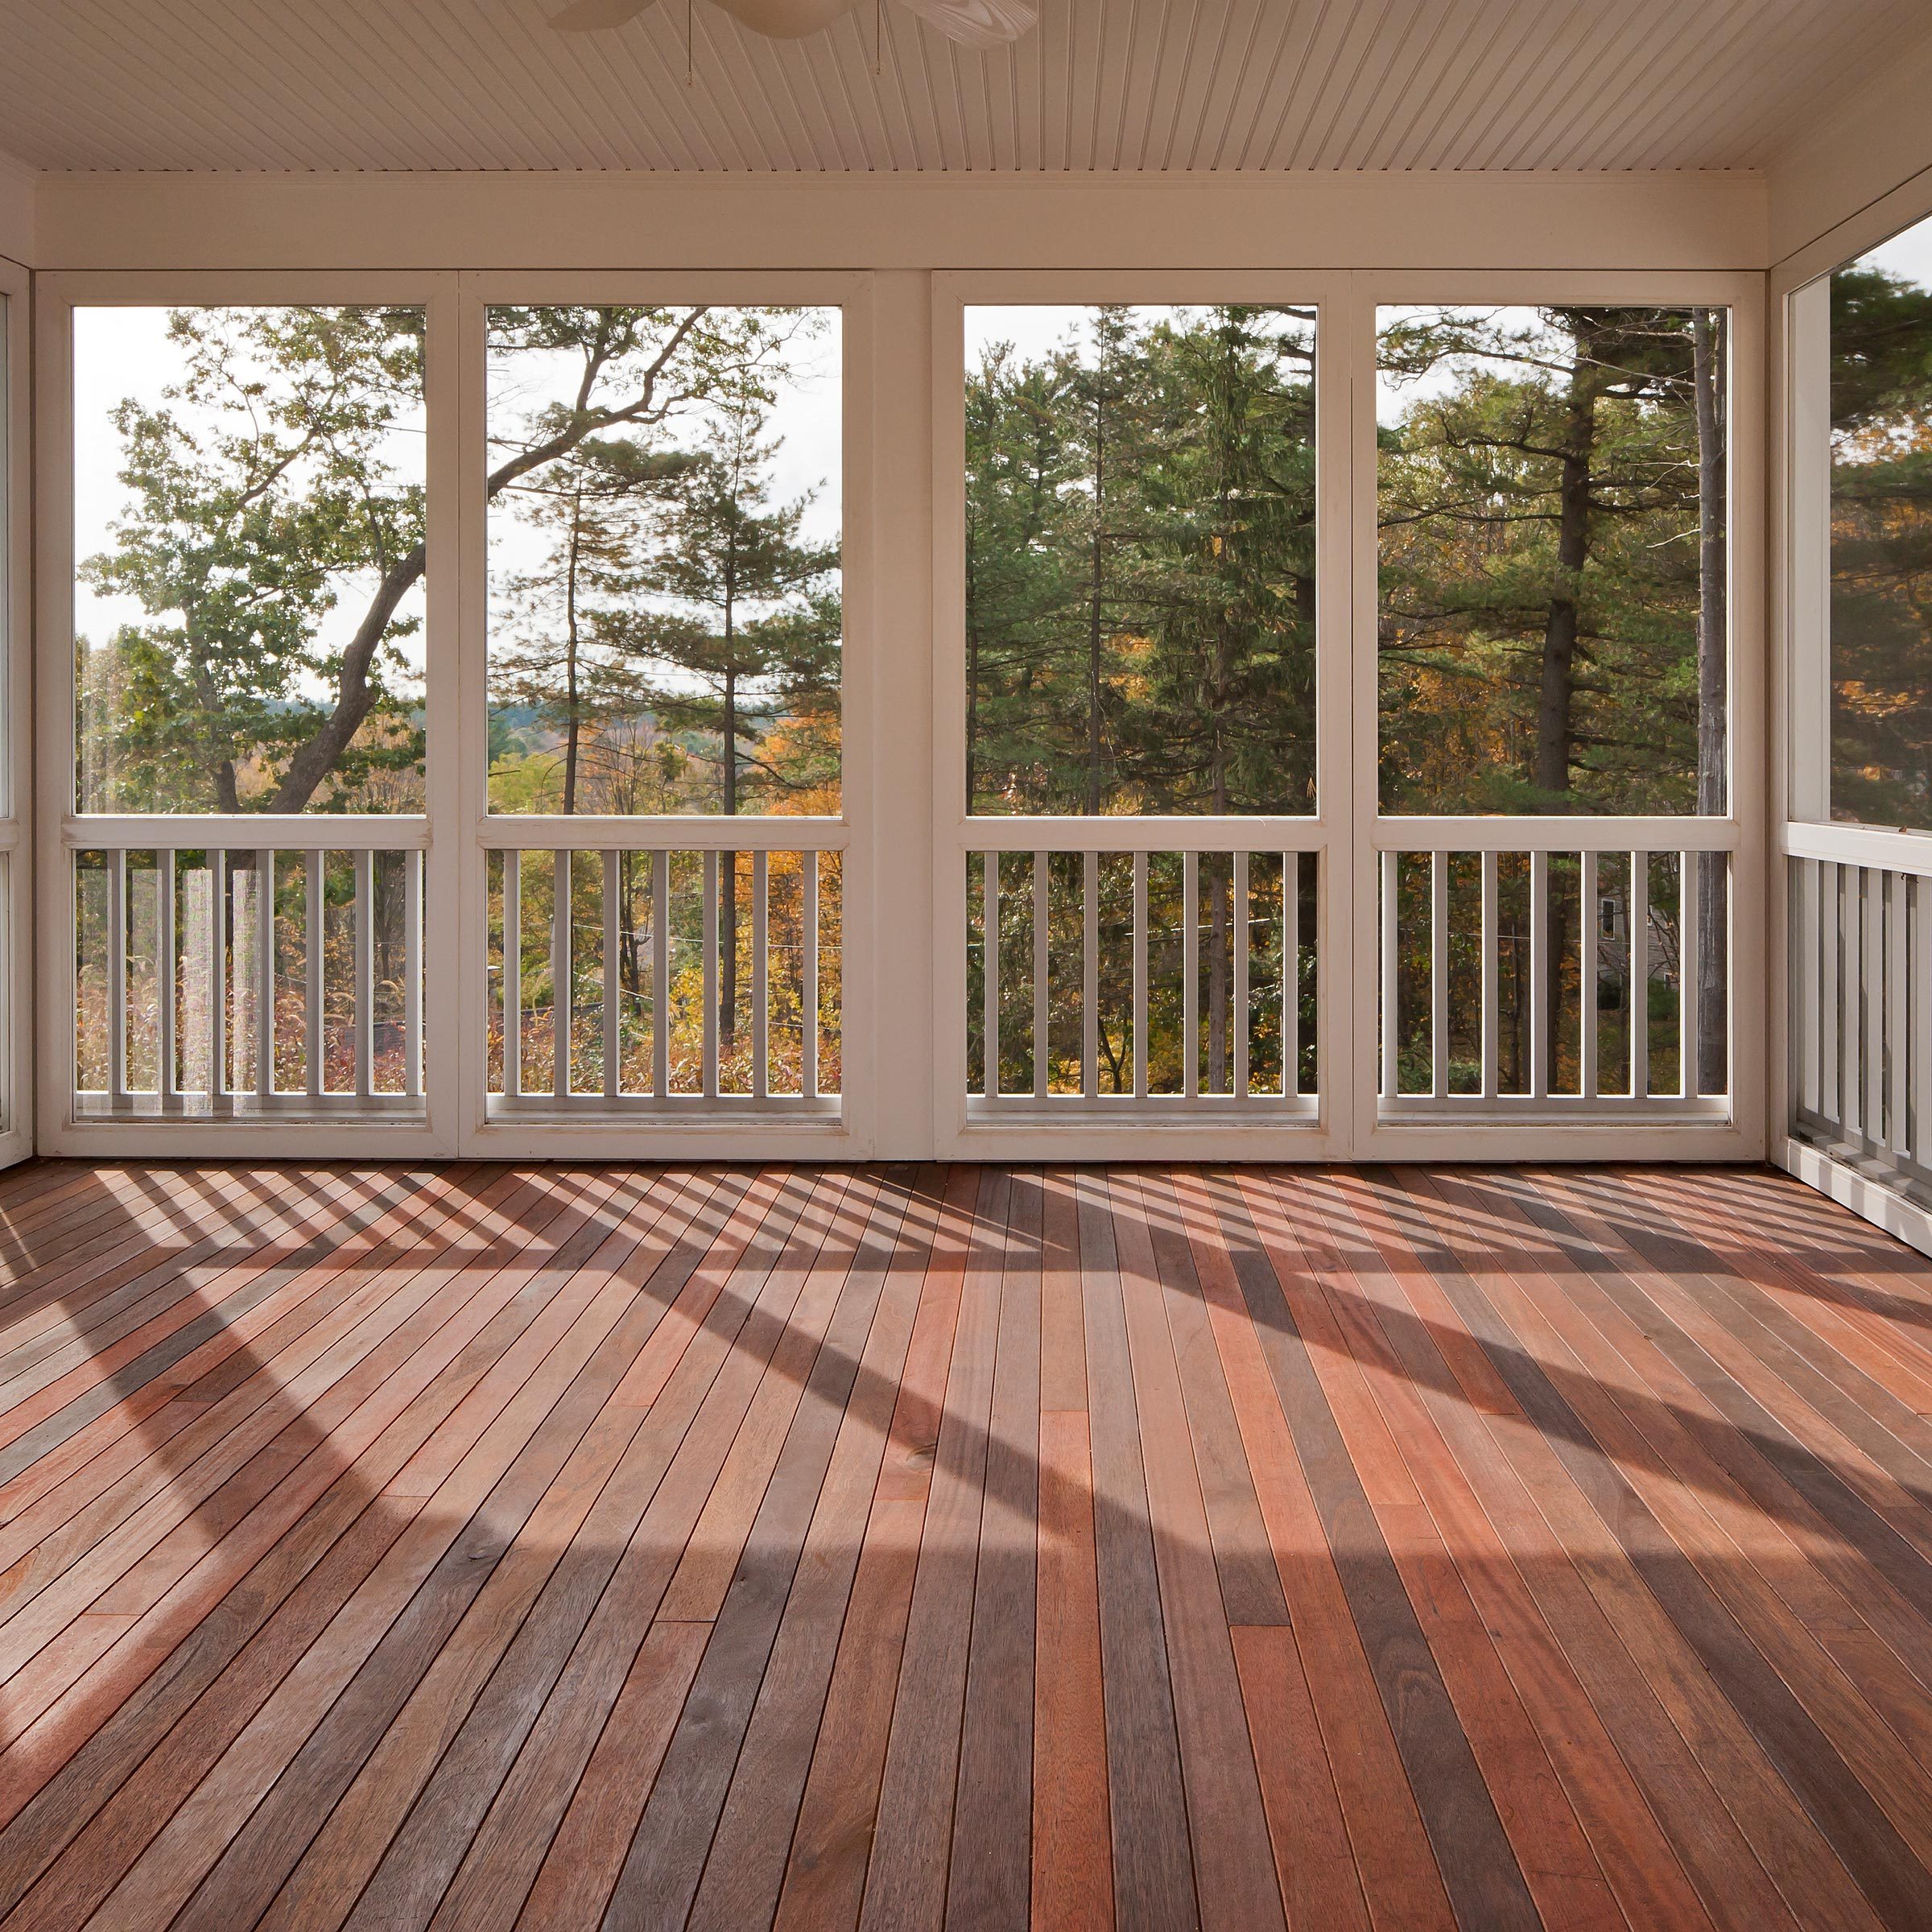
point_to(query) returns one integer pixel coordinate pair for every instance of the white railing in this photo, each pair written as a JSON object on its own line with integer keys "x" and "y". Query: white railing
{"x": 247, "y": 967}
{"x": 681, "y": 973}
{"x": 1120, "y": 978}
{"x": 1563, "y": 968}
{"x": 1860, "y": 926}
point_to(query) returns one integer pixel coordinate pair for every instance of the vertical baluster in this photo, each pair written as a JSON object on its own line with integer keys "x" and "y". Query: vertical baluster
{"x": 1851, "y": 987}
{"x": 1291, "y": 975}
{"x": 265, "y": 975}
{"x": 412, "y": 974}
{"x": 217, "y": 978}
{"x": 712, "y": 889}
{"x": 990, "y": 974}
{"x": 365, "y": 975}
{"x": 166, "y": 1079}
{"x": 1896, "y": 987}
{"x": 808, "y": 999}
{"x": 1043, "y": 1039}
{"x": 1805, "y": 982}
{"x": 1687, "y": 974}
{"x": 1139, "y": 975}
{"x": 1830, "y": 1060}
{"x": 1640, "y": 975}
{"x": 1190, "y": 967}
{"x": 313, "y": 916}
{"x": 1391, "y": 982}
{"x": 117, "y": 977}
{"x": 1586, "y": 975}
{"x": 1492, "y": 973}
{"x": 1921, "y": 1022}
{"x": 560, "y": 975}
{"x": 513, "y": 973}
{"x": 660, "y": 974}
{"x": 760, "y": 985}
{"x": 1439, "y": 974}
{"x": 1090, "y": 974}
{"x": 1239, "y": 1019}
{"x": 1871, "y": 992}
{"x": 613, "y": 972}
{"x": 1541, "y": 1031}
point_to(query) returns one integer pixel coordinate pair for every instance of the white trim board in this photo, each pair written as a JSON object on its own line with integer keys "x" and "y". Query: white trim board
{"x": 1868, "y": 1199}
{"x": 1527, "y": 220}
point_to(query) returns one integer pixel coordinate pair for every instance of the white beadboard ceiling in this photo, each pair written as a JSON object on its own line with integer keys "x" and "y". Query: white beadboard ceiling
{"x": 1167, "y": 86}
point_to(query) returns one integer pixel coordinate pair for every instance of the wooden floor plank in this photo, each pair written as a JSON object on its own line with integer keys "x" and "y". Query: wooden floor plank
{"x": 718, "y": 1547}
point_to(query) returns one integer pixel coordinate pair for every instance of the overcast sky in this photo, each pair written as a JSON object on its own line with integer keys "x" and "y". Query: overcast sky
{"x": 122, "y": 353}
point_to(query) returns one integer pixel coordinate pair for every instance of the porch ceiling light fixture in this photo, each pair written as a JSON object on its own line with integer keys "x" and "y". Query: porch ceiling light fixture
{"x": 978, "y": 23}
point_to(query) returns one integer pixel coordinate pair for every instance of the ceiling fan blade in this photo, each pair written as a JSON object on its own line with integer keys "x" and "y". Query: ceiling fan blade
{"x": 981, "y": 23}
{"x": 590, "y": 16}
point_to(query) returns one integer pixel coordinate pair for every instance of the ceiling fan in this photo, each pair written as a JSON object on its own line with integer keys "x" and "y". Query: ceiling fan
{"x": 979, "y": 23}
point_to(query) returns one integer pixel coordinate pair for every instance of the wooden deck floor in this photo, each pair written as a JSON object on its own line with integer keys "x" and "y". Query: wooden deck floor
{"x": 480, "y": 1547}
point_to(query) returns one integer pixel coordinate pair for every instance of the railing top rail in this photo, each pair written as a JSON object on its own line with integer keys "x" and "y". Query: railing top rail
{"x": 1127, "y": 834}
{"x": 245, "y": 832}
{"x": 1555, "y": 834}
{"x": 1882, "y": 848}
{"x": 506, "y": 832}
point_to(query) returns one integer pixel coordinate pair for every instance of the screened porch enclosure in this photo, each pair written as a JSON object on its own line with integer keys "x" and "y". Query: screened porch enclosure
{"x": 1345, "y": 702}
{"x": 1295, "y": 685}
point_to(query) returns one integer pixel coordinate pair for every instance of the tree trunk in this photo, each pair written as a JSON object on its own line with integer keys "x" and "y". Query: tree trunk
{"x": 571, "y": 722}
{"x": 1707, "y": 376}
{"x": 1093, "y": 610}
{"x": 728, "y": 873}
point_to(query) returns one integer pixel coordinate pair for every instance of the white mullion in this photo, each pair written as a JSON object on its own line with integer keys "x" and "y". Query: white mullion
{"x": 712, "y": 888}
{"x": 1492, "y": 975}
{"x": 1239, "y": 1017}
{"x": 808, "y": 997}
{"x": 264, "y": 974}
{"x": 1190, "y": 967}
{"x": 1042, "y": 1009}
{"x": 365, "y": 975}
{"x": 1585, "y": 977}
{"x": 513, "y": 973}
{"x": 1139, "y": 975}
{"x": 560, "y": 938}
{"x": 1090, "y": 974}
{"x": 761, "y": 990}
{"x": 1639, "y": 993}
{"x": 314, "y": 915}
{"x": 1689, "y": 969}
{"x": 165, "y": 1080}
{"x": 1291, "y": 975}
{"x": 660, "y": 974}
{"x": 1391, "y": 984}
{"x": 613, "y": 978}
{"x": 1541, "y": 1028}
{"x": 117, "y": 974}
{"x": 1439, "y": 974}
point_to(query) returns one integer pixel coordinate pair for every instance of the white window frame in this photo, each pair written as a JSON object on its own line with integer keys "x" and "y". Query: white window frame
{"x": 1741, "y": 1134}
{"x": 1348, "y": 827}
{"x": 16, "y": 717}
{"x": 61, "y": 831}
{"x": 1798, "y": 311}
{"x": 848, "y": 1135}
{"x": 456, "y": 830}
